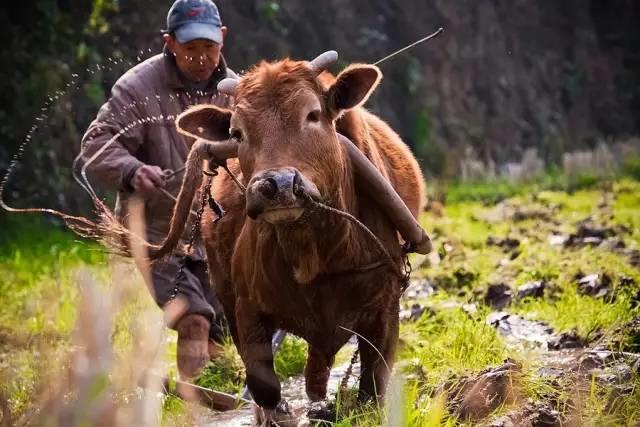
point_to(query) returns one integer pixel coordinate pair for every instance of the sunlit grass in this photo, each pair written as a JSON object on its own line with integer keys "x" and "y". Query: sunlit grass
{"x": 452, "y": 342}
{"x": 39, "y": 265}
{"x": 224, "y": 373}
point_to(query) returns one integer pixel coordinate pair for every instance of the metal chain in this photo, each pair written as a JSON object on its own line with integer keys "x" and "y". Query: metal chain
{"x": 408, "y": 269}
{"x": 347, "y": 374}
{"x": 207, "y": 200}
{"x": 195, "y": 228}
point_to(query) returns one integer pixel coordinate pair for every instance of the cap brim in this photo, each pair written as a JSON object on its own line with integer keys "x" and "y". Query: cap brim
{"x": 197, "y": 30}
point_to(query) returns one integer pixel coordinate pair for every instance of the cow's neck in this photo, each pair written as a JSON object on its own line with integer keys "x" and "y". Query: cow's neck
{"x": 327, "y": 243}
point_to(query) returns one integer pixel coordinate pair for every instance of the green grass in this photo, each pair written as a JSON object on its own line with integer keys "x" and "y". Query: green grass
{"x": 498, "y": 189}
{"x": 39, "y": 266}
{"x": 454, "y": 343}
{"x": 291, "y": 357}
{"x": 451, "y": 342}
{"x": 225, "y": 373}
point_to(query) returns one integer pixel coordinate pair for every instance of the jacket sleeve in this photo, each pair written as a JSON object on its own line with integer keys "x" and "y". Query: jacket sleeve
{"x": 113, "y": 138}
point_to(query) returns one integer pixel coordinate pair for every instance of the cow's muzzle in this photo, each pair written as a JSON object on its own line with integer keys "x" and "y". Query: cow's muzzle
{"x": 279, "y": 195}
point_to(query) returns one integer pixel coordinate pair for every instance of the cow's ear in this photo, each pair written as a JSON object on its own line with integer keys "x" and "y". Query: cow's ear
{"x": 205, "y": 121}
{"x": 353, "y": 86}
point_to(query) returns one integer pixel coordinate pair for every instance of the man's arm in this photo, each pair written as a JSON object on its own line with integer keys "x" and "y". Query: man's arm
{"x": 110, "y": 148}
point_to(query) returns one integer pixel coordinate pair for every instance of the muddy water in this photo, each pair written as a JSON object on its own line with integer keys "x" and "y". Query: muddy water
{"x": 293, "y": 389}
{"x": 293, "y": 392}
{"x": 521, "y": 332}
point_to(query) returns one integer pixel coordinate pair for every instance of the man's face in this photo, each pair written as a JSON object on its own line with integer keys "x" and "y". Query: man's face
{"x": 196, "y": 59}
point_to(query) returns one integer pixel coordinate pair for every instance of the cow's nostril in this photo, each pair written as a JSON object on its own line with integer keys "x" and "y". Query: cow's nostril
{"x": 298, "y": 190}
{"x": 268, "y": 188}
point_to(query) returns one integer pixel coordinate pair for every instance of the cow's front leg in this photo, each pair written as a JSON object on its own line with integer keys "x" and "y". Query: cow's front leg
{"x": 254, "y": 334}
{"x": 376, "y": 355}
{"x": 316, "y": 374}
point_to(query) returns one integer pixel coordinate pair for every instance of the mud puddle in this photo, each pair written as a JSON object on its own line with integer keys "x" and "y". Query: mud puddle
{"x": 293, "y": 392}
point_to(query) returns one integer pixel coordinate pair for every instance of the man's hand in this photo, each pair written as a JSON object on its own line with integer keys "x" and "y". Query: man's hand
{"x": 147, "y": 180}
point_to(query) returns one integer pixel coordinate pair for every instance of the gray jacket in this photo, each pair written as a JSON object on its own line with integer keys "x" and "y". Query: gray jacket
{"x": 139, "y": 119}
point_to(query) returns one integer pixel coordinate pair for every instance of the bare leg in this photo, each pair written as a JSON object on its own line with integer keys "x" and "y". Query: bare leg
{"x": 193, "y": 339}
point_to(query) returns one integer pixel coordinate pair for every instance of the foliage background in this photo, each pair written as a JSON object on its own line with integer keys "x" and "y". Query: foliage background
{"x": 505, "y": 76}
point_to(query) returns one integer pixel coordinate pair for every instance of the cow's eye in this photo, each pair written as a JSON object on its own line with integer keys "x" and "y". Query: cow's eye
{"x": 314, "y": 116}
{"x": 236, "y": 135}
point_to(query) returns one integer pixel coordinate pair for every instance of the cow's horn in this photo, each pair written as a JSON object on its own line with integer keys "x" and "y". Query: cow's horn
{"x": 323, "y": 61}
{"x": 228, "y": 86}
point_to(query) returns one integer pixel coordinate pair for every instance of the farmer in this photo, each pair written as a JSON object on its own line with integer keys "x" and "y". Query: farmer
{"x": 139, "y": 161}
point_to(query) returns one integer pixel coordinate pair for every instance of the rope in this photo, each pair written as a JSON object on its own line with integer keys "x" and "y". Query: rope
{"x": 308, "y": 199}
{"x": 399, "y": 51}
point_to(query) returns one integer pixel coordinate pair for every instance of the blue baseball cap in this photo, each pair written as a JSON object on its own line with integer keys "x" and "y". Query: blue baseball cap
{"x": 194, "y": 19}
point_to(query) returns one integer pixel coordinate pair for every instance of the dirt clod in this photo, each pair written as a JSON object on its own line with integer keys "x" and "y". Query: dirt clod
{"x": 597, "y": 285}
{"x": 533, "y": 289}
{"x": 478, "y": 396}
{"x": 520, "y": 331}
{"x": 506, "y": 244}
{"x": 566, "y": 340}
{"x": 498, "y": 296}
{"x": 530, "y": 415}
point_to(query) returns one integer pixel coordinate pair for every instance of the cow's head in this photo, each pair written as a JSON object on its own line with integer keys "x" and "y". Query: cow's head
{"x": 283, "y": 122}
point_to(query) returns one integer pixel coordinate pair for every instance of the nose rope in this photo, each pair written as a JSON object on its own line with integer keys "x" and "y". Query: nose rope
{"x": 215, "y": 163}
{"x": 329, "y": 209}
{"x": 298, "y": 191}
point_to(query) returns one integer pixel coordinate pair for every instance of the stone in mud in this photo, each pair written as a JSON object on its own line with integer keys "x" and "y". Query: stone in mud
{"x": 590, "y": 234}
{"x": 533, "y": 289}
{"x": 322, "y": 411}
{"x": 613, "y": 244}
{"x": 635, "y": 300}
{"x": 419, "y": 289}
{"x": 498, "y": 296}
{"x": 507, "y": 244}
{"x": 634, "y": 257}
{"x": 597, "y": 285}
{"x": 618, "y": 374}
{"x": 591, "y": 241}
{"x": 616, "y": 401}
{"x": 478, "y": 396}
{"x": 566, "y": 340}
{"x": 281, "y": 416}
{"x": 522, "y": 214}
{"x": 460, "y": 278}
{"x": 414, "y": 313}
{"x": 551, "y": 372}
{"x": 587, "y": 229}
{"x": 530, "y": 415}
{"x": 558, "y": 239}
{"x": 470, "y": 308}
{"x": 518, "y": 330}
{"x": 626, "y": 281}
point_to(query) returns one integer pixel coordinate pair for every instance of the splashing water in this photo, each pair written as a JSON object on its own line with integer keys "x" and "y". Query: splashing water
{"x": 51, "y": 101}
{"x": 108, "y": 228}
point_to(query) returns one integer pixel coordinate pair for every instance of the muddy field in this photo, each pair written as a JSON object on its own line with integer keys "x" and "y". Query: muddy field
{"x": 526, "y": 314}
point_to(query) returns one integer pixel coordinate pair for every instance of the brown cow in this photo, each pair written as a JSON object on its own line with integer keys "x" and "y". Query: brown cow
{"x": 289, "y": 266}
